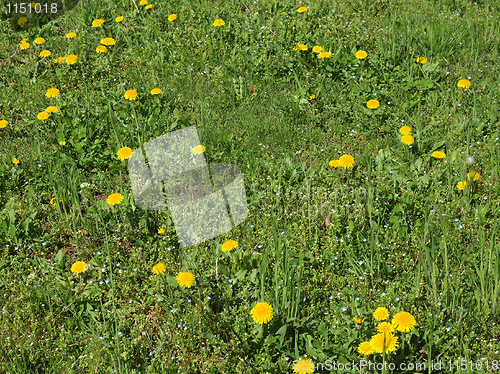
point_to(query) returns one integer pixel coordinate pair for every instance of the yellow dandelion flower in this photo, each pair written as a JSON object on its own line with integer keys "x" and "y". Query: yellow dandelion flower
{"x": 159, "y": 268}
{"x": 42, "y": 116}
{"x": 15, "y": 161}
{"x": 346, "y": 161}
{"x": 53, "y": 201}
{"x": 438, "y": 154}
{"x": 365, "y": 348}
{"x": 302, "y": 47}
{"x": 39, "y": 41}
{"x": 172, "y": 17}
{"x": 361, "y": 55}
{"x": 3, "y": 124}
{"x": 130, "y": 95}
{"x": 60, "y": 59}
{"x": 101, "y": 49}
{"x": 262, "y": 313}
{"x": 464, "y": 83}
{"x": 391, "y": 343}
{"x": 357, "y": 320}
{"x": 62, "y": 143}
{"x": 161, "y": 231}
{"x": 405, "y": 130}
{"x": 219, "y": 22}
{"x": 115, "y": 198}
{"x": 119, "y": 19}
{"x": 325, "y": 55}
{"x": 334, "y": 163}
{"x": 404, "y": 321}
{"x": 422, "y": 60}
{"x": 97, "y": 22}
{"x": 71, "y": 59}
{"x": 198, "y": 150}
{"x": 21, "y": 21}
{"x": 302, "y": 9}
{"x": 312, "y": 97}
{"x": 407, "y": 139}
{"x": 124, "y": 153}
{"x": 386, "y": 327}
{"x": 52, "y": 109}
{"x": 317, "y": 49}
{"x": 155, "y": 91}
{"x": 303, "y": 367}
{"x": 185, "y": 279}
{"x": 78, "y": 267}
{"x": 373, "y": 104}
{"x": 229, "y": 245}
{"x": 71, "y": 35}
{"x": 45, "y": 53}
{"x": 24, "y": 45}
{"x": 52, "y": 92}
{"x": 143, "y": 2}
{"x": 461, "y": 185}
{"x": 381, "y": 313}
{"x": 474, "y": 176}
{"x": 108, "y": 41}
{"x": 148, "y": 6}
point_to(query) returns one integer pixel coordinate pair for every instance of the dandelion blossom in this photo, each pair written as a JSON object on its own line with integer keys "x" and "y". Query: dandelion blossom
{"x": 219, "y": 22}
{"x": 60, "y": 59}
{"x": 39, "y": 41}
{"x": 172, "y": 17}
{"x": 159, "y": 268}
{"x": 262, "y": 313}
{"x": 45, "y": 53}
{"x": 373, "y": 104}
{"x": 391, "y": 343}
{"x": 312, "y": 97}
{"x": 42, "y": 116}
{"x": 62, "y": 143}
{"x": 97, "y": 22}
{"x": 15, "y": 161}
{"x": 302, "y": 9}
{"x": 304, "y": 367}
{"x": 130, "y": 95}
{"x": 52, "y": 92}
{"x": 302, "y": 47}
{"x": 24, "y": 45}
{"x": 317, "y": 49}
{"x": 357, "y": 320}
{"x": 71, "y": 35}
{"x": 422, "y": 60}
{"x": 464, "y": 83}
{"x": 101, "y": 49}
{"x": 125, "y": 153}
{"x": 473, "y": 176}
{"x": 386, "y": 327}
{"x": 407, "y": 139}
{"x": 161, "y": 231}
{"x": 148, "y": 6}
{"x": 53, "y": 201}
{"x": 119, "y": 19}
{"x": 3, "y": 124}
{"x": 21, "y": 21}
{"x": 155, "y": 91}
{"x": 198, "y": 150}
{"x": 115, "y": 198}
{"x": 185, "y": 279}
{"x": 334, "y": 163}
{"x": 143, "y": 2}
{"x": 346, "y": 161}
{"x": 325, "y": 55}
{"x": 52, "y": 109}
{"x": 405, "y": 130}
{"x": 365, "y": 348}
{"x": 404, "y": 321}
{"x": 381, "y": 313}
{"x": 229, "y": 245}
{"x": 71, "y": 59}
{"x": 438, "y": 154}
{"x": 78, "y": 267}
{"x": 361, "y": 55}
{"x": 461, "y": 185}
{"x": 108, "y": 41}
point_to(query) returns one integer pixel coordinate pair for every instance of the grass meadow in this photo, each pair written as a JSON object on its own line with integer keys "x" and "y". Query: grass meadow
{"x": 372, "y": 182}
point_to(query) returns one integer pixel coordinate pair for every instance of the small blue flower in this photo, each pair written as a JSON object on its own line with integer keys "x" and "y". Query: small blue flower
{"x": 360, "y": 262}
{"x": 344, "y": 308}
{"x": 383, "y": 293}
{"x": 397, "y": 299}
{"x": 98, "y": 252}
{"x": 439, "y": 303}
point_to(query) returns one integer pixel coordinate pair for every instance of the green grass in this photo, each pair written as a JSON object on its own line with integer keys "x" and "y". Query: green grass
{"x": 321, "y": 244}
